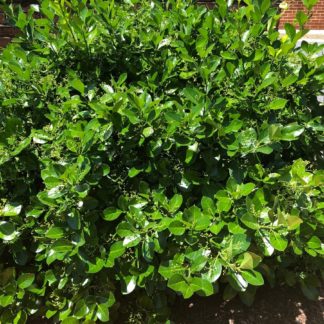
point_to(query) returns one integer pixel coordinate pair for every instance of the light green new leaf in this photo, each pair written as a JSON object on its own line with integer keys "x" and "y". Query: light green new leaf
{"x": 77, "y": 84}
{"x": 224, "y": 204}
{"x": 277, "y": 103}
{"x": 277, "y": 241}
{"x": 11, "y": 209}
{"x": 293, "y": 222}
{"x": 246, "y": 189}
{"x": 133, "y": 172}
{"x": 25, "y": 280}
{"x": 177, "y": 228}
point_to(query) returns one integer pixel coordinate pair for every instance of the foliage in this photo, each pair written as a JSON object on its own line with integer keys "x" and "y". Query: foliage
{"x": 157, "y": 150}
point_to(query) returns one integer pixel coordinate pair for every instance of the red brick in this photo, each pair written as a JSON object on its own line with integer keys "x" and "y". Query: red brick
{"x": 8, "y": 31}
{"x": 4, "y": 41}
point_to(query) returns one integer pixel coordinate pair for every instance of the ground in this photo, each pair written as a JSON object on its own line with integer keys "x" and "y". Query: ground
{"x": 280, "y": 305}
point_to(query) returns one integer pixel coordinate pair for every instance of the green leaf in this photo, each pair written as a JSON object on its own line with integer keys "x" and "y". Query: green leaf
{"x": 253, "y": 277}
{"x": 177, "y": 228}
{"x": 216, "y": 228}
{"x": 124, "y": 229}
{"x": 148, "y": 131}
{"x": 96, "y": 267}
{"x": 148, "y": 249}
{"x": 250, "y": 221}
{"x": 277, "y": 241}
{"x": 62, "y": 246}
{"x": 293, "y": 222}
{"x": 214, "y": 272}
{"x": 314, "y": 243}
{"x": 103, "y": 312}
{"x": 132, "y": 240}
{"x": 178, "y": 283}
{"x": 203, "y": 285}
{"x": 70, "y": 320}
{"x": 11, "y": 209}
{"x": 224, "y": 204}
{"x": 192, "y": 149}
{"x": 277, "y": 103}
{"x": 54, "y": 232}
{"x": 192, "y": 214}
{"x": 25, "y": 280}
{"x": 250, "y": 261}
{"x": 208, "y": 205}
{"x": 309, "y": 4}
{"x": 266, "y": 246}
{"x": 228, "y": 55}
{"x": 117, "y": 249}
{"x": 239, "y": 243}
{"x": 21, "y": 318}
{"x": 128, "y": 284}
{"x": 264, "y": 149}
{"x": 248, "y": 138}
{"x": 290, "y": 30}
{"x": 80, "y": 309}
{"x": 289, "y": 80}
{"x": 77, "y": 84}
{"x": 301, "y": 17}
{"x": 266, "y": 83}
{"x": 111, "y": 213}
{"x": 133, "y": 172}
{"x": 175, "y": 203}
{"x": 201, "y": 44}
{"x": 237, "y": 281}
{"x": 246, "y": 189}
{"x": 291, "y": 132}
{"x": 234, "y": 126}
{"x": 202, "y": 222}
{"x": 7, "y": 231}
{"x": 192, "y": 94}
{"x": 198, "y": 259}
{"x": 6, "y": 300}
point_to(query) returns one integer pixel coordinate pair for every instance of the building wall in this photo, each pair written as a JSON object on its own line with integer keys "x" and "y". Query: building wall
{"x": 316, "y": 22}
{"x": 317, "y": 18}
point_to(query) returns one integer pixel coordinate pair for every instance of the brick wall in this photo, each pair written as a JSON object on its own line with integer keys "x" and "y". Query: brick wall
{"x": 316, "y": 22}
{"x": 317, "y": 19}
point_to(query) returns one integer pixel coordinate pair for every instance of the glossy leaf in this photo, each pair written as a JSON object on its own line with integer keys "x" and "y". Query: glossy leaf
{"x": 25, "y": 280}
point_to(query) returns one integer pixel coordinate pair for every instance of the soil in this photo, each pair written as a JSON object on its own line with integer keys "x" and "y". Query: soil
{"x": 280, "y": 305}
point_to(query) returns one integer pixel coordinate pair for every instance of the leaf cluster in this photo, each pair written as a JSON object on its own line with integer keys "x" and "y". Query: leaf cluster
{"x": 156, "y": 149}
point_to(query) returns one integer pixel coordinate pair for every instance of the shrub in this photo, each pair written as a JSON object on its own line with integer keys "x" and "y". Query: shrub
{"x": 157, "y": 150}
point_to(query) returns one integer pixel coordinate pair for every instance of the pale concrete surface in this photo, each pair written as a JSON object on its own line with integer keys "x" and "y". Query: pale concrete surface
{"x": 313, "y": 36}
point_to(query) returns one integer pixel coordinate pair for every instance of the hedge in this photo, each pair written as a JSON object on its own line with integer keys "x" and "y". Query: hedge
{"x": 158, "y": 150}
